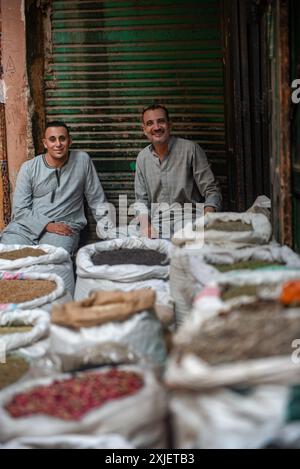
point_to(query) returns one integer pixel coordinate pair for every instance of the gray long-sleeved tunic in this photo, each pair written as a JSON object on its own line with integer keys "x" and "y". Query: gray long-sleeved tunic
{"x": 183, "y": 176}
{"x": 45, "y": 194}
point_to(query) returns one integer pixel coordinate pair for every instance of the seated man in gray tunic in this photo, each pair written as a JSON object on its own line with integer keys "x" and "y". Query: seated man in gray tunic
{"x": 48, "y": 203}
{"x": 171, "y": 174}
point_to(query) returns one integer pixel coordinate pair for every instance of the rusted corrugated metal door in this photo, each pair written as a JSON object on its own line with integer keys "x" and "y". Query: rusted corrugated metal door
{"x": 111, "y": 58}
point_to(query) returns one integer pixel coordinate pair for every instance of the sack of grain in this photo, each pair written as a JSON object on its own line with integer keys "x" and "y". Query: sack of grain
{"x": 226, "y": 228}
{"x": 43, "y": 259}
{"x": 191, "y": 269}
{"x": 24, "y": 290}
{"x": 232, "y": 366}
{"x": 142, "y": 333}
{"x": 131, "y": 274}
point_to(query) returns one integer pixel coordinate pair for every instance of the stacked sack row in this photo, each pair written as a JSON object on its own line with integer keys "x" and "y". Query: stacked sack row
{"x": 112, "y": 336}
{"x": 233, "y": 373}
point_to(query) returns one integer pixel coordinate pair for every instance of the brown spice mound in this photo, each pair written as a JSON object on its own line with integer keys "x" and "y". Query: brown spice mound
{"x": 11, "y": 371}
{"x": 19, "y": 291}
{"x": 220, "y": 225}
{"x": 257, "y": 330}
{"x": 130, "y": 256}
{"x": 250, "y": 264}
{"x": 21, "y": 253}
{"x": 14, "y": 330}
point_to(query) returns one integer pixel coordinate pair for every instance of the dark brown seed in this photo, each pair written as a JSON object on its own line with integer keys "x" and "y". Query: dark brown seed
{"x": 130, "y": 256}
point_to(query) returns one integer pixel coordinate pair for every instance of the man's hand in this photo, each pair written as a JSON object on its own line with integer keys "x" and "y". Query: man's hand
{"x": 209, "y": 209}
{"x": 59, "y": 228}
{"x": 147, "y": 229}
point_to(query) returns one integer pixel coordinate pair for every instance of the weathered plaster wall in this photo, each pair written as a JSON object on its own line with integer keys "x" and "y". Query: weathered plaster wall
{"x": 18, "y": 127}
{"x": 4, "y": 180}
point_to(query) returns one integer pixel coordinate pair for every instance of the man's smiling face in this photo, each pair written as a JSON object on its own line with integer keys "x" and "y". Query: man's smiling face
{"x": 156, "y": 126}
{"x": 57, "y": 141}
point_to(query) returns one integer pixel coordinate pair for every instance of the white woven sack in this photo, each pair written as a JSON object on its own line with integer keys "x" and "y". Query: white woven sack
{"x": 138, "y": 418}
{"x": 190, "y": 269}
{"x": 260, "y": 234}
{"x": 59, "y": 295}
{"x": 208, "y": 302}
{"x": 142, "y": 333}
{"x": 225, "y": 419}
{"x": 37, "y": 318}
{"x": 122, "y": 273}
{"x": 111, "y": 441}
{"x": 55, "y": 261}
{"x": 84, "y": 286}
{"x": 206, "y": 412}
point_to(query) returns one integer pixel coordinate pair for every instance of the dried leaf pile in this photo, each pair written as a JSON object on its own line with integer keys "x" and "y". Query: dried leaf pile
{"x": 250, "y": 264}
{"x": 257, "y": 330}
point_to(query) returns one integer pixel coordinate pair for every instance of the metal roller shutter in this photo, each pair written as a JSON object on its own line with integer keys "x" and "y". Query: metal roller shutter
{"x": 110, "y": 58}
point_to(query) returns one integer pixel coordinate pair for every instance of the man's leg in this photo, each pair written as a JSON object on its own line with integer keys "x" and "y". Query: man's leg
{"x": 14, "y": 238}
{"x": 69, "y": 243}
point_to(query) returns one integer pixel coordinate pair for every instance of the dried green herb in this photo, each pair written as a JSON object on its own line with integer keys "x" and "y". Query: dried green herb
{"x": 250, "y": 331}
{"x": 250, "y": 264}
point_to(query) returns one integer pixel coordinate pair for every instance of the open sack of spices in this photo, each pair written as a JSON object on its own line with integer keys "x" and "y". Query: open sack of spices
{"x": 234, "y": 368}
{"x": 192, "y": 269}
{"x": 42, "y": 259}
{"x": 22, "y": 290}
{"x": 22, "y": 328}
{"x": 226, "y": 228}
{"x": 242, "y": 331}
{"x": 14, "y": 369}
{"x": 126, "y": 264}
{"x": 123, "y": 400}
{"x": 118, "y": 317}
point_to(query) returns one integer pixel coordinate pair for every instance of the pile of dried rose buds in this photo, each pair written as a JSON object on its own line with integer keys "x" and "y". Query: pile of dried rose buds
{"x": 72, "y": 398}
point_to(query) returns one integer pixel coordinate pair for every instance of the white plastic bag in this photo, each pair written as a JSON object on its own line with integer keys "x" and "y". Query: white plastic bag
{"x": 122, "y": 273}
{"x": 55, "y": 261}
{"x": 37, "y": 318}
{"x": 260, "y": 233}
{"x": 142, "y": 333}
{"x": 191, "y": 269}
{"x": 139, "y": 418}
{"x": 110, "y": 441}
{"x": 59, "y": 295}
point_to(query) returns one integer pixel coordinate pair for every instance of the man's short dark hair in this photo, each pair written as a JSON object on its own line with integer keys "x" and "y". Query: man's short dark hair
{"x": 153, "y": 107}
{"x": 57, "y": 124}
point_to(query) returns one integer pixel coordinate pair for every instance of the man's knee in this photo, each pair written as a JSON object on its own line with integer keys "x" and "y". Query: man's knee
{"x": 14, "y": 238}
